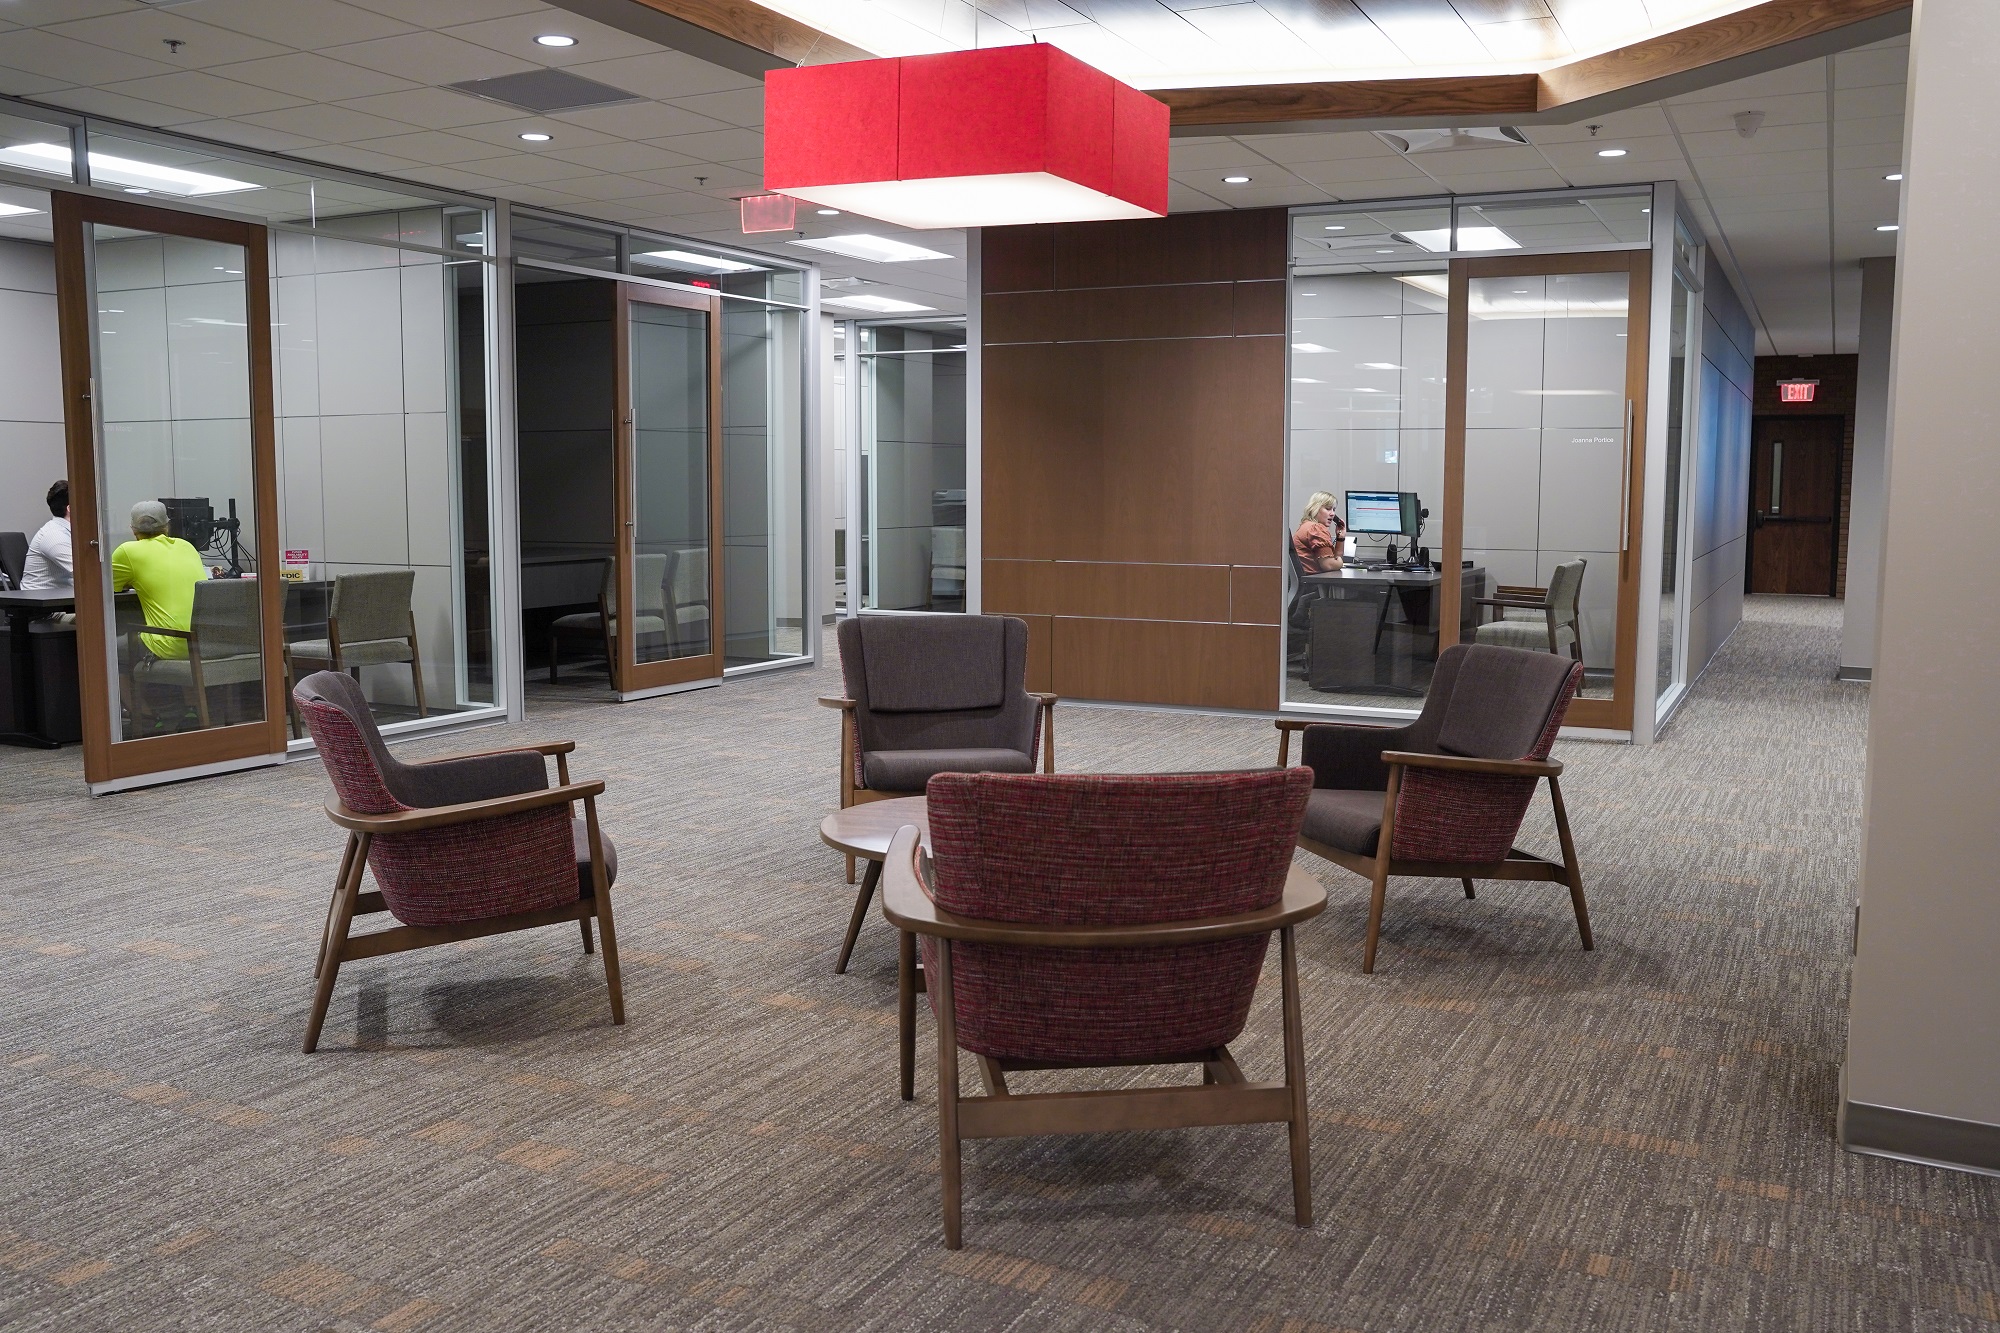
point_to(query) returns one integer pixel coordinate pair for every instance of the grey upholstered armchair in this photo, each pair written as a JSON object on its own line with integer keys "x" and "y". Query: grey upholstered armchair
{"x": 1538, "y": 619}
{"x": 935, "y": 694}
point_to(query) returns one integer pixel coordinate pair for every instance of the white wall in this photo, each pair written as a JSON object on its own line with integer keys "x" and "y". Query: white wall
{"x": 364, "y": 337}
{"x": 1718, "y": 457}
{"x": 31, "y": 430}
{"x": 1871, "y": 444}
{"x": 1924, "y": 1016}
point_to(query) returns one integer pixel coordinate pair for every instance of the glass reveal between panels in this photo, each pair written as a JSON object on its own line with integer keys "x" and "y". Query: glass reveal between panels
{"x": 1542, "y": 438}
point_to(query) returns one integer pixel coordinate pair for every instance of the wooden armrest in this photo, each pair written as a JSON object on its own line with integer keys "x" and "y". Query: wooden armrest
{"x": 535, "y": 747}
{"x": 163, "y": 631}
{"x": 1045, "y": 700}
{"x": 1453, "y": 763}
{"x": 908, "y": 907}
{"x": 439, "y": 816}
{"x": 832, "y": 701}
{"x": 1509, "y": 601}
{"x": 1295, "y": 723}
{"x": 1520, "y": 590}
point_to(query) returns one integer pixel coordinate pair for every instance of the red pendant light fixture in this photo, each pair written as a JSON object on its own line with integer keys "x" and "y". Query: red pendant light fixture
{"x": 994, "y": 137}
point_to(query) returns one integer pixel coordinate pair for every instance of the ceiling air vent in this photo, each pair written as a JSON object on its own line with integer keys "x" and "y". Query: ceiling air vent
{"x": 1437, "y": 141}
{"x": 546, "y": 91}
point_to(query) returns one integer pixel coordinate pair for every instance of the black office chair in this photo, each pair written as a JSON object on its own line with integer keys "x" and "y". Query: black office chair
{"x": 13, "y": 557}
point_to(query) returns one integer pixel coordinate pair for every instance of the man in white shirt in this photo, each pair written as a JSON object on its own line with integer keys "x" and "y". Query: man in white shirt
{"x": 49, "y": 553}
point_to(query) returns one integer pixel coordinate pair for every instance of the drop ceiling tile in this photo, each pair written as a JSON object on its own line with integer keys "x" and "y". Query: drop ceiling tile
{"x": 516, "y": 33}
{"x": 459, "y": 178}
{"x": 307, "y": 25}
{"x": 444, "y": 13}
{"x": 1337, "y": 175}
{"x": 1871, "y": 65}
{"x": 1885, "y": 99}
{"x": 1187, "y": 199}
{"x": 1640, "y": 155}
{"x": 1524, "y": 39}
{"x": 1428, "y": 31}
{"x": 1806, "y": 205}
{"x": 1757, "y": 166}
{"x": 313, "y": 77}
{"x": 20, "y": 83}
{"x": 102, "y": 102}
{"x": 429, "y": 57}
{"x": 1334, "y": 147}
{"x": 663, "y": 75}
{"x": 1596, "y": 24}
{"x": 249, "y": 135}
{"x": 1637, "y": 122}
{"x": 1719, "y": 117}
{"x": 1274, "y": 196}
{"x": 432, "y": 108}
{"x": 1708, "y": 145}
{"x": 1721, "y": 188}
{"x": 527, "y": 169}
{"x": 608, "y": 187}
{"x": 742, "y": 107}
{"x": 1340, "y": 33}
{"x": 507, "y": 134}
{"x": 1870, "y": 130}
{"x": 1495, "y": 181}
{"x": 333, "y": 124}
{"x": 1381, "y": 189}
{"x": 621, "y": 155}
{"x": 1882, "y": 156}
{"x": 547, "y": 196}
{"x": 147, "y": 31}
{"x": 715, "y": 146}
{"x": 1809, "y": 77}
{"x": 642, "y": 120}
{"x": 74, "y": 62}
{"x": 720, "y": 179}
{"x": 204, "y": 92}
{"x": 36, "y": 13}
{"x": 367, "y": 159}
{"x": 1214, "y": 155}
{"x": 432, "y": 146}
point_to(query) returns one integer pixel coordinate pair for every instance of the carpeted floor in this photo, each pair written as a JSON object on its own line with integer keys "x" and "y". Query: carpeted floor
{"x": 1508, "y": 1133}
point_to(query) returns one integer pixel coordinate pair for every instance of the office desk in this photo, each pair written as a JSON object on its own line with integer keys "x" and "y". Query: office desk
{"x": 23, "y": 607}
{"x": 1355, "y": 644}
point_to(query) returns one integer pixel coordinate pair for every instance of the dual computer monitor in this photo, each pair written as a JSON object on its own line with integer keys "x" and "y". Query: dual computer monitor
{"x": 1387, "y": 513}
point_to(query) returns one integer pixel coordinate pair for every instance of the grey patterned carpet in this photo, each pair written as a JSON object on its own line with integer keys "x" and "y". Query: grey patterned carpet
{"x": 1508, "y": 1133}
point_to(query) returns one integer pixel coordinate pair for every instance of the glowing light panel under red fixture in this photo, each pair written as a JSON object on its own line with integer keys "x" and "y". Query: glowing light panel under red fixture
{"x": 994, "y": 137}
{"x": 1797, "y": 391}
{"x": 767, "y": 212}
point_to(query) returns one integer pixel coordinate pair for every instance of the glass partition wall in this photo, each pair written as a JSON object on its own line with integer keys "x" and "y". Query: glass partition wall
{"x": 1464, "y": 375}
{"x": 910, "y": 490}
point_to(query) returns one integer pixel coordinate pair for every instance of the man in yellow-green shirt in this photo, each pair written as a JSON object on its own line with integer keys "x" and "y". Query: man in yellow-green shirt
{"x": 163, "y": 571}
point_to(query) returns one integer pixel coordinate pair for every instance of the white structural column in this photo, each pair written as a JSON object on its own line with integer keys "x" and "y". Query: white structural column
{"x": 1871, "y": 450}
{"x": 1923, "y": 1056}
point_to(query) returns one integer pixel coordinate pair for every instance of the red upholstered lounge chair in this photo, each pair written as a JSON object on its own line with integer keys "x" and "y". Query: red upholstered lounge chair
{"x": 1095, "y": 921}
{"x": 461, "y": 847}
{"x": 1445, "y": 796}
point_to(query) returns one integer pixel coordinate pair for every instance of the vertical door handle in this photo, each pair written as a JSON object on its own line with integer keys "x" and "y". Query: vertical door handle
{"x": 1625, "y": 484}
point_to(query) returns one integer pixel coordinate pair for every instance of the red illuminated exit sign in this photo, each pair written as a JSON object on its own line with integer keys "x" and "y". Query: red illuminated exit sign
{"x": 1797, "y": 391}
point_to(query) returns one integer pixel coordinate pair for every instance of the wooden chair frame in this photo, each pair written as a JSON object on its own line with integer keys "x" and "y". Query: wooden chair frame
{"x": 332, "y": 662}
{"x": 1517, "y": 865}
{"x": 337, "y": 945}
{"x": 198, "y": 686}
{"x": 1521, "y": 597}
{"x": 1224, "y": 1096}
{"x": 850, "y": 741}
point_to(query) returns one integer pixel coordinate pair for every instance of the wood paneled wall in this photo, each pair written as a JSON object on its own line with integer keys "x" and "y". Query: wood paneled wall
{"x": 1133, "y": 407}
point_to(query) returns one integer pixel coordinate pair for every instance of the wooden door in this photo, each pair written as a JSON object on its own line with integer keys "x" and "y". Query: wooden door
{"x": 165, "y": 329}
{"x": 668, "y": 612}
{"x": 1794, "y": 504}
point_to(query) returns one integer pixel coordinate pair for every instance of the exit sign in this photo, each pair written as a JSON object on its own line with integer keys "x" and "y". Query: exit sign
{"x": 1797, "y": 391}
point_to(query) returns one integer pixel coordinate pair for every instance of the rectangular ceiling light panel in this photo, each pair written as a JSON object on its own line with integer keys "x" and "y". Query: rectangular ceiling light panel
{"x": 695, "y": 263}
{"x": 994, "y": 137}
{"x": 106, "y": 169}
{"x": 881, "y": 305}
{"x": 877, "y": 249}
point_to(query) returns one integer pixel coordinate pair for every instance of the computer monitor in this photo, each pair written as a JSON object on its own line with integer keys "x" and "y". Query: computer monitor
{"x": 1375, "y": 511}
{"x": 1412, "y": 514}
{"x": 190, "y": 519}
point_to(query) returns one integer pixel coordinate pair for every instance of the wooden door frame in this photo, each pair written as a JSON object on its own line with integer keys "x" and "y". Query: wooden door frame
{"x": 1840, "y": 477}
{"x": 629, "y": 676}
{"x": 104, "y": 759}
{"x": 1615, "y": 713}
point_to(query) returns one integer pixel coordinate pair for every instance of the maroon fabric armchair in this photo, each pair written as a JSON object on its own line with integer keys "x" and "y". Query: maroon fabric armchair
{"x": 1444, "y": 797}
{"x": 1092, "y": 921}
{"x": 461, "y": 847}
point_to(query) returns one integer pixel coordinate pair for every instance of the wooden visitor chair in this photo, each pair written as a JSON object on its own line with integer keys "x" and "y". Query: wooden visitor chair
{"x": 225, "y": 647}
{"x": 649, "y": 572}
{"x": 935, "y": 694}
{"x": 1091, "y": 921}
{"x": 1538, "y": 619}
{"x": 1444, "y": 797}
{"x": 460, "y": 847}
{"x": 372, "y": 622}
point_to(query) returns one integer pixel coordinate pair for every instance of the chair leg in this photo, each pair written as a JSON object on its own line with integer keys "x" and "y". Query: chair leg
{"x": 948, "y": 1147}
{"x": 850, "y": 870}
{"x": 861, "y": 901}
{"x": 417, "y": 674}
{"x": 333, "y": 903}
{"x": 588, "y": 946}
{"x": 1379, "y": 886}
{"x": 336, "y": 940}
{"x": 1295, "y": 1080}
{"x": 613, "y": 980}
{"x": 906, "y": 1012}
{"x": 1468, "y": 888}
{"x": 1571, "y": 870}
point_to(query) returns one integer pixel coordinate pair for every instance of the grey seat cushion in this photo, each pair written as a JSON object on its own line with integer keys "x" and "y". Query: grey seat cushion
{"x": 579, "y": 834}
{"x": 584, "y": 622}
{"x": 1349, "y": 820}
{"x": 1523, "y": 633}
{"x": 910, "y": 770}
{"x": 223, "y": 671}
{"x": 369, "y": 652}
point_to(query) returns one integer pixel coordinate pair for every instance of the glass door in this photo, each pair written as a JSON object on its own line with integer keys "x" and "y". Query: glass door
{"x": 667, "y": 611}
{"x": 1547, "y": 359}
{"x": 166, "y": 356}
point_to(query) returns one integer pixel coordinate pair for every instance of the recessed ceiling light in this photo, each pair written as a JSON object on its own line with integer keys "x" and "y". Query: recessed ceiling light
{"x": 1235, "y": 180}
{"x": 1888, "y": 226}
{"x": 1342, "y": 227}
{"x": 881, "y": 249}
{"x": 698, "y": 263}
{"x": 828, "y": 212}
{"x": 1385, "y": 252}
{"x": 881, "y": 305}
{"x": 535, "y": 136}
{"x": 1310, "y": 347}
{"x": 15, "y": 210}
{"x": 1611, "y": 152}
{"x": 137, "y": 189}
{"x": 554, "y": 39}
{"x": 105, "y": 169}
{"x": 1381, "y": 365}
{"x": 1893, "y": 176}
{"x": 1308, "y": 381}
{"x": 1308, "y": 293}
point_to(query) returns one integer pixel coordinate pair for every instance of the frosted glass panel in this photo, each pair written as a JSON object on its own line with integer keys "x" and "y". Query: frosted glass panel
{"x": 669, "y": 617}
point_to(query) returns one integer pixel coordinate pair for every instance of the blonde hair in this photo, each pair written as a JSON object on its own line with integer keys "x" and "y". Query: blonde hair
{"x": 1320, "y": 500}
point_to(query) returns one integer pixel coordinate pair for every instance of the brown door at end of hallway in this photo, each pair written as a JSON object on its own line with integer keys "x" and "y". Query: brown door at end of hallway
{"x": 1794, "y": 504}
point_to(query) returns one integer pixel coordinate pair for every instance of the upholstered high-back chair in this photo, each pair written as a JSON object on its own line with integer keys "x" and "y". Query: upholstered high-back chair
{"x": 1538, "y": 619}
{"x": 935, "y": 694}
{"x": 225, "y": 646}
{"x": 1100, "y": 921}
{"x": 372, "y": 622}
{"x": 13, "y": 558}
{"x": 461, "y": 847}
{"x": 685, "y": 601}
{"x": 1444, "y": 797}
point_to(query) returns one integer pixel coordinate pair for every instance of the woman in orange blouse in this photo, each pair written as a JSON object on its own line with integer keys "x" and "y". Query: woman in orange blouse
{"x": 1321, "y": 534}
